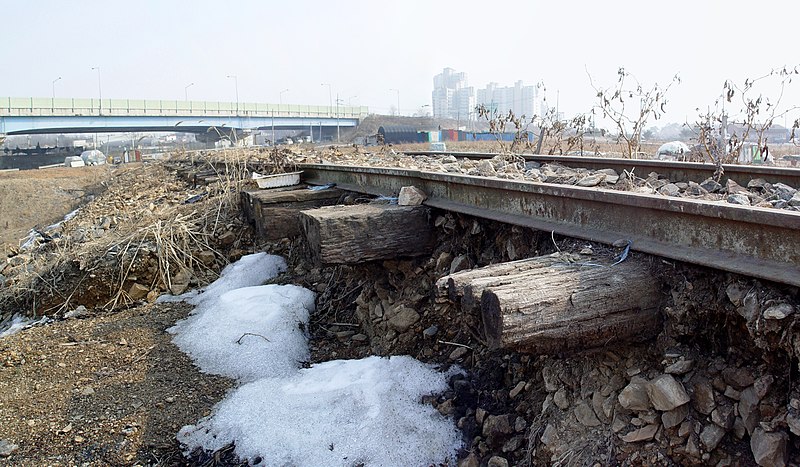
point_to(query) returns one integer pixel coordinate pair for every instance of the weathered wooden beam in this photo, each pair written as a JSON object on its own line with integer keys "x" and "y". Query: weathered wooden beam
{"x": 276, "y": 213}
{"x": 465, "y": 287}
{"x": 367, "y": 232}
{"x": 564, "y": 306}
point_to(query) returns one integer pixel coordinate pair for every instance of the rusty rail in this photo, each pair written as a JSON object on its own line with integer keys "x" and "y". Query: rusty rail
{"x": 673, "y": 170}
{"x": 757, "y": 242}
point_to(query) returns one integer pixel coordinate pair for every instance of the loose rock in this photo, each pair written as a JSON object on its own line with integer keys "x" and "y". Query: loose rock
{"x": 666, "y": 393}
{"x": 411, "y": 196}
{"x": 769, "y": 449}
{"x": 634, "y": 395}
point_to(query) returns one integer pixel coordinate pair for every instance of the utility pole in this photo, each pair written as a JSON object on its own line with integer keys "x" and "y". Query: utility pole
{"x": 54, "y": 87}
{"x": 186, "y": 91}
{"x": 337, "y": 117}
{"x": 236, "y": 85}
{"x": 99, "y": 90}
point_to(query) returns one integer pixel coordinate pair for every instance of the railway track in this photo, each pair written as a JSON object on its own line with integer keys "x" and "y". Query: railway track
{"x": 753, "y": 241}
{"x": 673, "y": 170}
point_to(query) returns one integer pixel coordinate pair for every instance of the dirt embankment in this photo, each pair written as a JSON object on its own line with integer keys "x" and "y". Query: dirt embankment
{"x": 38, "y": 198}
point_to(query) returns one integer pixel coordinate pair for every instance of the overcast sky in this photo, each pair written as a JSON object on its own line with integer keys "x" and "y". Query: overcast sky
{"x": 154, "y": 49}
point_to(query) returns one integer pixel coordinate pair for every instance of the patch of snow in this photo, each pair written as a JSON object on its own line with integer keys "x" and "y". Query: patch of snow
{"x": 250, "y": 270}
{"x": 248, "y": 333}
{"x": 18, "y": 323}
{"x": 30, "y": 240}
{"x": 34, "y": 237}
{"x": 337, "y": 413}
{"x": 342, "y": 412}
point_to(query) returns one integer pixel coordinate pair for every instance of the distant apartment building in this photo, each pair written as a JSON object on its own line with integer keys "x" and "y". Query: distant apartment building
{"x": 452, "y": 96}
{"x": 522, "y": 100}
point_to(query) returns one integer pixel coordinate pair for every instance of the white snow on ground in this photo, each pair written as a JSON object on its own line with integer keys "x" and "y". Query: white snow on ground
{"x": 34, "y": 236}
{"x": 250, "y": 270}
{"x": 248, "y": 333}
{"x": 18, "y": 323}
{"x": 342, "y": 412}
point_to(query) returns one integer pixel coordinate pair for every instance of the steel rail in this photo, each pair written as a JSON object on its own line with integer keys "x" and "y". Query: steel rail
{"x": 757, "y": 242}
{"x": 675, "y": 171}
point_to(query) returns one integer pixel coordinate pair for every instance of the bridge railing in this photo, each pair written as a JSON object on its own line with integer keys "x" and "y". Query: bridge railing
{"x": 69, "y": 107}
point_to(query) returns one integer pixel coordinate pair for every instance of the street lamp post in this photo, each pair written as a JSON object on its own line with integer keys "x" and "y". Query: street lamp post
{"x": 280, "y": 98}
{"x": 186, "y": 91}
{"x": 350, "y": 104}
{"x": 337, "y": 117}
{"x": 54, "y": 86}
{"x": 398, "y": 100}
{"x": 99, "y": 90}
{"x": 330, "y": 98}
{"x": 236, "y": 86}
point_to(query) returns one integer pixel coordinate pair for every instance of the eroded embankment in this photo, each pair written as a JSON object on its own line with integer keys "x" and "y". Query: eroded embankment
{"x": 713, "y": 387}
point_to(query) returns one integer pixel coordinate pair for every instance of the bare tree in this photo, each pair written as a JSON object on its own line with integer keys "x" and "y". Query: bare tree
{"x": 618, "y": 104}
{"x": 554, "y": 134}
{"x": 750, "y": 112}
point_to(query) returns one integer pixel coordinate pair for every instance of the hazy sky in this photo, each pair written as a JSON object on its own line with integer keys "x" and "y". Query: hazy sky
{"x": 153, "y": 49}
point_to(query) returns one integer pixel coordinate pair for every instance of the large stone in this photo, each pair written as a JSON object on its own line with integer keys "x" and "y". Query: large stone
{"x": 591, "y": 180}
{"x": 762, "y": 385}
{"x": 561, "y": 399}
{"x": 586, "y": 415}
{"x": 642, "y": 434}
{"x": 711, "y": 185}
{"x": 670, "y": 189}
{"x": 703, "y": 396}
{"x": 733, "y": 187}
{"x": 784, "y": 192}
{"x": 180, "y": 282}
{"x": 738, "y": 198}
{"x": 597, "y": 405}
{"x": 749, "y": 310}
{"x": 723, "y": 416}
{"x": 486, "y": 169}
{"x": 711, "y": 435}
{"x": 695, "y": 189}
{"x": 739, "y": 378}
{"x": 757, "y": 183}
{"x": 795, "y": 201}
{"x": 513, "y": 444}
{"x": 470, "y": 461}
{"x": 634, "y": 395}
{"x": 549, "y": 435}
{"x": 411, "y": 196}
{"x": 138, "y": 291}
{"x": 7, "y": 448}
{"x": 793, "y": 420}
{"x": 675, "y": 416}
{"x": 206, "y": 257}
{"x": 403, "y": 319}
{"x": 497, "y": 461}
{"x": 748, "y": 408}
{"x": 735, "y": 293}
{"x": 769, "y": 449}
{"x": 497, "y": 425}
{"x": 680, "y": 367}
{"x": 666, "y": 393}
{"x": 779, "y": 311}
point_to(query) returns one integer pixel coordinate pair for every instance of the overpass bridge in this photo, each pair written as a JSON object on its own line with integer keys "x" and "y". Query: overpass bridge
{"x": 35, "y": 115}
